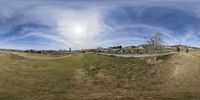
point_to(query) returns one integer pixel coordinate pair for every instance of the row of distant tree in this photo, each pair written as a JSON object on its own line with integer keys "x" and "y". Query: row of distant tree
{"x": 56, "y": 52}
{"x": 47, "y": 51}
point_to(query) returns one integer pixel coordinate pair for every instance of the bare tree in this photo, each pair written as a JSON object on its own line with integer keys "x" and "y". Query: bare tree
{"x": 178, "y": 49}
{"x": 155, "y": 42}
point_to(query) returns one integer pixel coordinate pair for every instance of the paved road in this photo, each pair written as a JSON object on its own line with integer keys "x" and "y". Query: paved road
{"x": 138, "y": 55}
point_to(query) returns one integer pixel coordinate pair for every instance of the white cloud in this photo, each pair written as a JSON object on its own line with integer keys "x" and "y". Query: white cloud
{"x": 75, "y": 24}
{"x": 80, "y": 26}
{"x": 73, "y": 27}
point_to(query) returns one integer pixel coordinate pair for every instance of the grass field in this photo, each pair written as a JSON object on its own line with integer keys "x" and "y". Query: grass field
{"x": 93, "y": 76}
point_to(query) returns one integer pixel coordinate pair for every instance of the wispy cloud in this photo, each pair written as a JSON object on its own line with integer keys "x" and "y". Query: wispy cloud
{"x": 89, "y": 24}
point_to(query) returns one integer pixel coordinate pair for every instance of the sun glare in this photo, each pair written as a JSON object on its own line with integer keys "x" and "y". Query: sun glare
{"x": 78, "y": 30}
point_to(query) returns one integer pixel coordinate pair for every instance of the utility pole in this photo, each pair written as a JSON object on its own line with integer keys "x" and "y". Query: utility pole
{"x": 70, "y": 49}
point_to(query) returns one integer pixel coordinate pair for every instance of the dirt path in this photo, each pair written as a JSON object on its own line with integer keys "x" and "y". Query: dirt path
{"x": 39, "y": 56}
{"x": 137, "y": 55}
{"x": 184, "y": 76}
{"x": 48, "y": 58}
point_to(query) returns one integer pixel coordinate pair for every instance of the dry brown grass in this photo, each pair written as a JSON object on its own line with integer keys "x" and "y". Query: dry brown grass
{"x": 92, "y": 76}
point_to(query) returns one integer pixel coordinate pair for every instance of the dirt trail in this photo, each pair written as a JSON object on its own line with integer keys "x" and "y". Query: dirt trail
{"x": 46, "y": 58}
{"x": 138, "y": 55}
{"x": 184, "y": 76}
{"x": 37, "y": 56}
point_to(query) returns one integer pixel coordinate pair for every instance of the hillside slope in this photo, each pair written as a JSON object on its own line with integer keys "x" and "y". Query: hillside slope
{"x": 92, "y": 76}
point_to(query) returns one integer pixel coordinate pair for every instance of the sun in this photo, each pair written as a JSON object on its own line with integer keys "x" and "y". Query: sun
{"x": 79, "y": 30}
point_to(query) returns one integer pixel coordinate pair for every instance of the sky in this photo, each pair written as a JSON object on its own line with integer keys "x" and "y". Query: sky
{"x": 77, "y": 24}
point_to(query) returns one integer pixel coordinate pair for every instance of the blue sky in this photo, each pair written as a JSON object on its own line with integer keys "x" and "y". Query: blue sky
{"x": 63, "y": 24}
